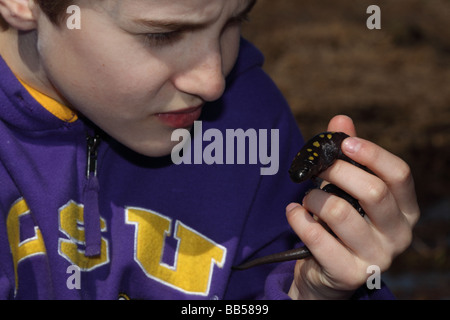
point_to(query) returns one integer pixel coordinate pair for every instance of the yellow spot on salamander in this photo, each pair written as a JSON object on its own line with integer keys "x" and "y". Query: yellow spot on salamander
{"x": 316, "y": 144}
{"x": 315, "y": 154}
{"x": 311, "y": 158}
{"x": 330, "y": 136}
{"x": 322, "y": 136}
{"x": 310, "y": 150}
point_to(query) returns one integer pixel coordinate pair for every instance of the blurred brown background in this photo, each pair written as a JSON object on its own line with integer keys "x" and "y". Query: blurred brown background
{"x": 394, "y": 83}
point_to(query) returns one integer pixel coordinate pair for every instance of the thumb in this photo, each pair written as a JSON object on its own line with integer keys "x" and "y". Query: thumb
{"x": 342, "y": 123}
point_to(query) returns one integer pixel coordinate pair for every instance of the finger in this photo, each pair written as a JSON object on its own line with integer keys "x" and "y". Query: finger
{"x": 386, "y": 219}
{"x": 326, "y": 249}
{"x": 351, "y": 229}
{"x": 392, "y": 170}
{"x": 342, "y": 124}
{"x": 345, "y": 124}
{"x": 372, "y": 193}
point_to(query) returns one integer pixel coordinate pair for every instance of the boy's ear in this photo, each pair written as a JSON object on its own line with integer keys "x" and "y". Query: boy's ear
{"x": 19, "y": 13}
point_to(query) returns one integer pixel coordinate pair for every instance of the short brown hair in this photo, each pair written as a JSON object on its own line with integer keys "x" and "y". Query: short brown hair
{"x": 55, "y": 10}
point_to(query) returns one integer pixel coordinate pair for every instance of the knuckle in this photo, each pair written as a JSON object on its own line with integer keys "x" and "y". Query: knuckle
{"x": 402, "y": 174}
{"x": 337, "y": 211}
{"x": 312, "y": 236}
{"x": 377, "y": 192}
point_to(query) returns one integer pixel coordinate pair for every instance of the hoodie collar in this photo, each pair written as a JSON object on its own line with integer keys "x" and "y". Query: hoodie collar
{"x": 19, "y": 109}
{"x": 59, "y": 110}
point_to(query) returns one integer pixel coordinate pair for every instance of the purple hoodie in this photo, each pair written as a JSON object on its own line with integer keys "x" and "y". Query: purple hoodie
{"x": 138, "y": 227}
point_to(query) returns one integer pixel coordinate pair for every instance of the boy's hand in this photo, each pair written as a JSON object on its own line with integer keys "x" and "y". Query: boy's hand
{"x": 339, "y": 266}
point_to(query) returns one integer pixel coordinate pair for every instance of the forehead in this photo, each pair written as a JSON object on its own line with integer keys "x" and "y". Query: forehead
{"x": 185, "y": 9}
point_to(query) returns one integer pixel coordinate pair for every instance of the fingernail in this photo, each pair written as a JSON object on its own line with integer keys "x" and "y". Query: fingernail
{"x": 292, "y": 206}
{"x": 352, "y": 145}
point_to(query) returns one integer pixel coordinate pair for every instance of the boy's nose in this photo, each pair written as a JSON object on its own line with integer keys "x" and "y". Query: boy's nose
{"x": 204, "y": 77}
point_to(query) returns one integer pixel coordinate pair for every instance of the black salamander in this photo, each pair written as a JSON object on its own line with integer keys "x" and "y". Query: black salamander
{"x": 317, "y": 155}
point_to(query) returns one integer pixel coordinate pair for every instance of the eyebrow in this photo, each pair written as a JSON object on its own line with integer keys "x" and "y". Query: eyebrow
{"x": 187, "y": 25}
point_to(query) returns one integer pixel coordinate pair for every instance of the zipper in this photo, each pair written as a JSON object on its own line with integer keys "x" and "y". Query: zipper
{"x": 92, "y": 155}
{"x": 91, "y": 214}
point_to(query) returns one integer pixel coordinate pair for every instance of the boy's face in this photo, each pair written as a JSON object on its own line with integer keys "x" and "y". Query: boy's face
{"x": 141, "y": 68}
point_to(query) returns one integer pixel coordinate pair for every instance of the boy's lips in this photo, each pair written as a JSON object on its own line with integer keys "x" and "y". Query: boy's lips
{"x": 184, "y": 118}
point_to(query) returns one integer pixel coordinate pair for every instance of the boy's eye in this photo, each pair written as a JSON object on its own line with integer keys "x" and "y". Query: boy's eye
{"x": 162, "y": 38}
{"x": 169, "y": 37}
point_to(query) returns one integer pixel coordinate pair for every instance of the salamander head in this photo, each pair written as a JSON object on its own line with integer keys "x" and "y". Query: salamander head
{"x": 301, "y": 172}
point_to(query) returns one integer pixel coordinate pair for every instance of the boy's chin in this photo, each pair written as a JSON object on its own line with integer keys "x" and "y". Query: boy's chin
{"x": 154, "y": 150}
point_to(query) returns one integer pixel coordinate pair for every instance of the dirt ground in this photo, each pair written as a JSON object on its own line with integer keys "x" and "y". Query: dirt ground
{"x": 394, "y": 83}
